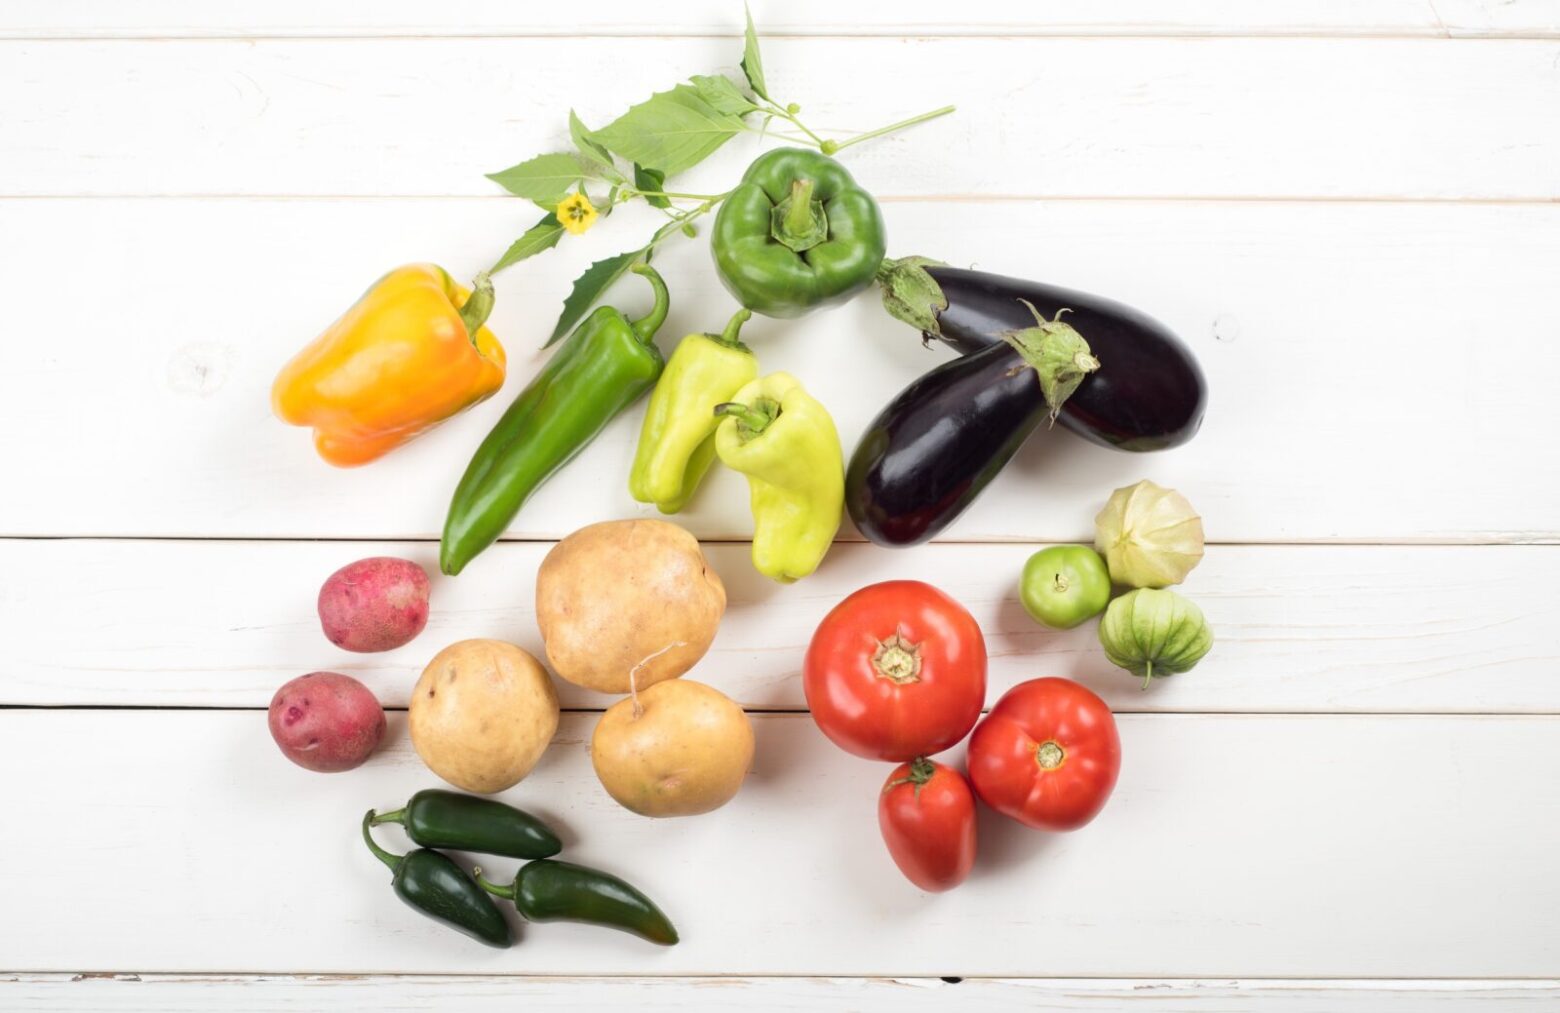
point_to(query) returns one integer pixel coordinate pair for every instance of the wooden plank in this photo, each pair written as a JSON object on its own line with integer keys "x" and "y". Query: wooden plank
{"x": 1377, "y": 372}
{"x": 1422, "y": 629}
{"x": 1235, "y": 846}
{"x": 315, "y": 19}
{"x": 155, "y": 993}
{"x": 1043, "y": 117}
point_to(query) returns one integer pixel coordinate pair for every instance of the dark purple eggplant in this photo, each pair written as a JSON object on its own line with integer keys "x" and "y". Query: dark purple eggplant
{"x": 1149, "y": 392}
{"x": 932, "y": 450}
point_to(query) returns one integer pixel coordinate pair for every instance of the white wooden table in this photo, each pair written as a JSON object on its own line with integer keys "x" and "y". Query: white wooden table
{"x": 1348, "y": 209}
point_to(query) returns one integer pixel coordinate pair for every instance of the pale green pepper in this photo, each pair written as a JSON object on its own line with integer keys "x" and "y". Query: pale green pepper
{"x": 784, "y": 441}
{"x": 677, "y": 440}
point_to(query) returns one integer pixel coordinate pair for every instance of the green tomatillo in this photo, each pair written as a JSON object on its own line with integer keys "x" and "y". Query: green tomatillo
{"x": 1154, "y": 633}
{"x": 1064, "y": 585}
{"x": 797, "y": 233}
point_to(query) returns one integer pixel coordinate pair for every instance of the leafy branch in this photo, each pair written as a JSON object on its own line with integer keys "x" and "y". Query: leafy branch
{"x": 668, "y": 133}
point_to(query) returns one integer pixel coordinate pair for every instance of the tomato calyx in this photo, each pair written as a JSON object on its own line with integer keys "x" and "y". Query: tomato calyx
{"x": 921, "y": 771}
{"x": 897, "y": 660}
{"x": 1049, "y": 755}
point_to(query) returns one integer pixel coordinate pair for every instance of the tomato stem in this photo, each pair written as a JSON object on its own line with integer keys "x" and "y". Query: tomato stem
{"x": 897, "y": 660}
{"x": 921, "y": 771}
{"x": 1050, "y": 754}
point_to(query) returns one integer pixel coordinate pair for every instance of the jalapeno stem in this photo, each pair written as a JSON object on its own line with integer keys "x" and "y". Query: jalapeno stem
{"x": 496, "y": 889}
{"x": 394, "y": 816}
{"x": 478, "y": 305}
{"x": 646, "y": 326}
{"x": 392, "y": 861}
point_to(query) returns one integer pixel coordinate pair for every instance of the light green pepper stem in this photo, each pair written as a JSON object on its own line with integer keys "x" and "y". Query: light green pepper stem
{"x": 478, "y": 306}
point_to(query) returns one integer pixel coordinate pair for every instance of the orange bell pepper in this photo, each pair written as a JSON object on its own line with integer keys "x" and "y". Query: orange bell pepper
{"x": 410, "y": 353}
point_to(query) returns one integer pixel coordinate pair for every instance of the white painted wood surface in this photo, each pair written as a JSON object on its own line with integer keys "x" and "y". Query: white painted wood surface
{"x": 1448, "y": 629}
{"x": 1048, "y": 117}
{"x": 1235, "y": 845}
{"x": 1377, "y": 372}
{"x": 494, "y": 994}
{"x": 1348, "y": 209}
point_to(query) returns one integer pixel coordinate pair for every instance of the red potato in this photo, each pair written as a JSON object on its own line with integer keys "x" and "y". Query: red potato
{"x": 326, "y": 721}
{"x": 375, "y": 604}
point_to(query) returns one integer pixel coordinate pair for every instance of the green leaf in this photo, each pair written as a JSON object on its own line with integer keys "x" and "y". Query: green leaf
{"x": 546, "y": 179}
{"x": 651, "y": 179}
{"x": 722, "y": 95}
{"x": 752, "y": 63}
{"x": 671, "y": 131}
{"x": 591, "y": 150}
{"x": 544, "y": 235}
{"x": 588, "y": 288}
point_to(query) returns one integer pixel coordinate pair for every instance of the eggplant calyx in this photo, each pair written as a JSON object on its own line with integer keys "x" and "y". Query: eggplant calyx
{"x": 911, "y": 294}
{"x": 1058, "y": 354}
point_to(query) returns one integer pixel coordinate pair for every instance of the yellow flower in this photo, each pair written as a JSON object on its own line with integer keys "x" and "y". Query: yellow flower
{"x": 575, "y": 213}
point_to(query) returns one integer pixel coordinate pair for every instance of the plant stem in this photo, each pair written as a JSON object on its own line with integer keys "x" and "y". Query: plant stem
{"x": 880, "y": 131}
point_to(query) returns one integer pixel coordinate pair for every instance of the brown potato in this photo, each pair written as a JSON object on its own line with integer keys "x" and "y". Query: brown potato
{"x": 482, "y": 714}
{"x": 685, "y": 752}
{"x": 621, "y": 594}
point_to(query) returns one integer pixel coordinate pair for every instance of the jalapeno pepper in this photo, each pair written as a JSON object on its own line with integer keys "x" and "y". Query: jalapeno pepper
{"x": 677, "y": 440}
{"x": 548, "y": 890}
{"x": 603, "y": 367}
{"x": 784, "y": 441}
{"x": 797, "y": 233}
{"x": 433, "y": 884}
{"x": 435, "y": 818}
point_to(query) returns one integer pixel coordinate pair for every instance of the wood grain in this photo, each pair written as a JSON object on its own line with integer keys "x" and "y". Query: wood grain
{"x": 1188, "y": 117}
{"x": 156, "y": 993}
{"x": 328, "y": 18}
{"x": 1235, "y": 846}
{"x": 1377, "y": 373}
{"x": 1308, "y": 629}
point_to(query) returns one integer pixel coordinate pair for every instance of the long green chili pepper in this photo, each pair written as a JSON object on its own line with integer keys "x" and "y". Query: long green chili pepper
{"x": 548, "y": 890}
{"x": 433, "y": 884}
{"x": 606, "y": 365}
{"x": 435, "y": 818}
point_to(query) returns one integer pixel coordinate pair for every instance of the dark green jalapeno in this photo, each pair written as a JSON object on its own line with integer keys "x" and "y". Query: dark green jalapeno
{"x": 435, "y": 818}
{"x": 433, "y": 884}
{"x": 548, "y": 890}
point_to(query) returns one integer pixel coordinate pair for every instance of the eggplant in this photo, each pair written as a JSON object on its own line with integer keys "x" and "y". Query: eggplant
{"x": 1149, "y": 392}
{"x": 941, "y": 441}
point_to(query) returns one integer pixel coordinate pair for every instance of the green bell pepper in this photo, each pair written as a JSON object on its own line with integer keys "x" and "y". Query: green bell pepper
{"x": 677, "y": 440}
{"x": 797, "y": 233}
{"x": 602, "y": 368}
{"x": 784, "y": 441}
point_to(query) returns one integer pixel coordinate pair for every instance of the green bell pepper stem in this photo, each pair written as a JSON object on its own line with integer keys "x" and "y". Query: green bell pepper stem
{"x": 392, "y": 862}
{"x": 479, "y": 305}
{"x": 647, "y": 325}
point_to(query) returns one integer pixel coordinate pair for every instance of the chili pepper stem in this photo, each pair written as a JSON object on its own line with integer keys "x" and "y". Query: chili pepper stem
{"x": 393, "y": 862}
{"x": 479, "y": 305}
{"x": 729, "y": 336}
{"x": 394, "y": 816}
{"x": 647, "y": 325}
{"x": 496, "y": 889}
{"x": 751, "y": 421}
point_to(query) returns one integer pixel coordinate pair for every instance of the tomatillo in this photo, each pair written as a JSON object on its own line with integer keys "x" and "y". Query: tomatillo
{"x": 1064, "y": 585}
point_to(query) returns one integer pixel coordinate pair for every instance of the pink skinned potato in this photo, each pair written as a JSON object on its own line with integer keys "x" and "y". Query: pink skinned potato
{"x": 375, "y": 604}
{"x": 326, "y": 721}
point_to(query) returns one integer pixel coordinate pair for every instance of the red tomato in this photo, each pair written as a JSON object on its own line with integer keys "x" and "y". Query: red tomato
{"x": 897, "y": 670}
{"x": 1047, "y": 755}
{"x": 927, "y": 816}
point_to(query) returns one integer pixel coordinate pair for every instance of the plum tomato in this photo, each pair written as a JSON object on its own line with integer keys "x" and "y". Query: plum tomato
{"x": 927, "y": 814}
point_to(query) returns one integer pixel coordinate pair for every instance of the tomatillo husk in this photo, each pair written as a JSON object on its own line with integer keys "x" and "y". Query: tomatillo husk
{"x": 1153, "y": 633}
{"x": 1149, "y": 535}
